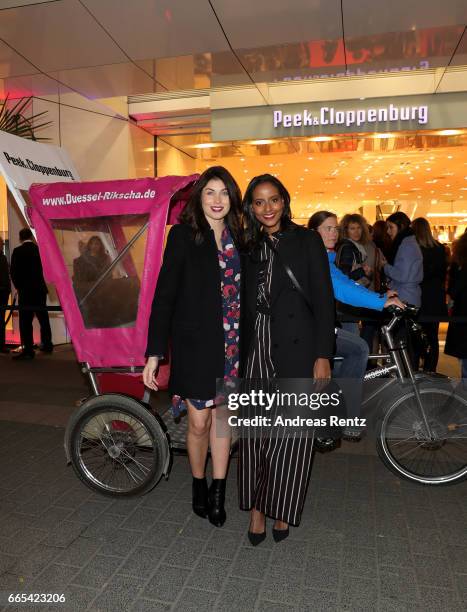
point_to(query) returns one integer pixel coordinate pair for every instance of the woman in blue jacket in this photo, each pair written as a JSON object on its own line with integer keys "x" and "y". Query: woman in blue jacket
{"x": 349, "y": 346}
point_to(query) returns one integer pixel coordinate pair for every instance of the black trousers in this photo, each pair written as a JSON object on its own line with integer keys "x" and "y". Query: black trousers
{"x": 4, "y": 294}
{"x": 429, "y": 354}
{"x": 404, "y": 333}
{"x": 26, "y": 318}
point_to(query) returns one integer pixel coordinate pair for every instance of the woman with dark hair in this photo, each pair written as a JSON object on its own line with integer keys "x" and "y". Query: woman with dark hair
{"x": 404, "y": 271}
{"x": 380, "y": 238}
{"x": 456, "y": 338}
{"x": 433, "y": 301}
{"x": 404, "y": 266}
{"x": 287, "y": 333}
{"x": 197, "y": 307}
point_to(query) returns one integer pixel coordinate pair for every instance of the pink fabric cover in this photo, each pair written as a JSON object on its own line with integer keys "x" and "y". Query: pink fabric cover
{"x": 110, "y": 346}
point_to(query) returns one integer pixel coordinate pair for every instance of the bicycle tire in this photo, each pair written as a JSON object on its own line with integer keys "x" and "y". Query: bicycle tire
{"x": 403, "y": 415}
{"x": 112, "y": 429}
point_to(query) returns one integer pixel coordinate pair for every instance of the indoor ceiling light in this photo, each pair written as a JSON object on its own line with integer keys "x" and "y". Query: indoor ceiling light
{"x": 260, "y": 142}
{"x": 449, "y": 132}
{"x": 205, "y": 145}
{"x": 383, "y": 135}
{"x": 320, "y": 138}
{"x": 447, "y": 214}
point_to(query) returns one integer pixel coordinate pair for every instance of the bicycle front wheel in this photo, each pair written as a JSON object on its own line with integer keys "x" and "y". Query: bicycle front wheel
{"x": 433, "y": 455}
{"x": 116, "y": 446}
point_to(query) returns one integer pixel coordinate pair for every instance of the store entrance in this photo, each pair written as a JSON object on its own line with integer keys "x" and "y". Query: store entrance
{"x": 420, "y": 173}
{"x": 423, "y": 174}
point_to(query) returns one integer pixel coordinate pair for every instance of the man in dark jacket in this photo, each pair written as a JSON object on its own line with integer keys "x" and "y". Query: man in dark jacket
{"x": 27, "y": 276}
{"x": 4, "y": 294}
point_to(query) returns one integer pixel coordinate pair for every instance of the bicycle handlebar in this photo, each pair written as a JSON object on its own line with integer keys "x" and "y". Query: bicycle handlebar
{"x": 408, "y": 312}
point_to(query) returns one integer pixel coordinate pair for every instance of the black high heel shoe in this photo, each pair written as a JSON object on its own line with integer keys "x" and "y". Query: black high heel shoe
{"x": 200, "y": 497}
{"x": 256, "y": 538}
{"x": 216, "y": 498}
{"x": 280, "y": 534}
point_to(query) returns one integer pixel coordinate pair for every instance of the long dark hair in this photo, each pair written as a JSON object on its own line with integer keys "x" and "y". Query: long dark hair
{"x": 193, "y": 214}
{"x": 380, "y": 237}
{"x": 400, "y": 219}
{"x": 253, "y": 230}
{"x": 404, "y": 230}
{"x": 102, "y": 252}
{"x": 318, "y": 218}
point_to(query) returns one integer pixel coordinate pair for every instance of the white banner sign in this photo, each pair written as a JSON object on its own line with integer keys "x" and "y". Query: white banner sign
{"x": 24, "y": 162}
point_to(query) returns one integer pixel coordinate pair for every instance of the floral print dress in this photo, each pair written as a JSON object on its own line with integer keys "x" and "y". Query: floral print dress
{"x": 229, "y": 268}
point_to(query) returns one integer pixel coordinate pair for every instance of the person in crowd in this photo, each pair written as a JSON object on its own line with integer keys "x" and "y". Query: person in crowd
{"x": 351, "y": 254}
{"x": 404, "y": 270}
{"x": 456, "y": 338}
{"x": 286, "y": 333}
{"x": 357, "y": 230}
{"x": 197, "y": 307}
{"x": 4, "y": 295}
{"x": 352, "y": 258}
{"x": 91, "y": 263}
{"x": 404, "y": 263}
{"x": 371, "y": 324}
{"x": 433, "y": 300}
{"x": 379, "y": 235}
{"x": 350, "y": 347}
{"x": 28, "y": 278}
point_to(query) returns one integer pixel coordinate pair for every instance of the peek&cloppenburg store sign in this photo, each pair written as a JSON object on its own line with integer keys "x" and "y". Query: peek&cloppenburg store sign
{"x": 400, "y": 113}
{"x": 329, "y": 115}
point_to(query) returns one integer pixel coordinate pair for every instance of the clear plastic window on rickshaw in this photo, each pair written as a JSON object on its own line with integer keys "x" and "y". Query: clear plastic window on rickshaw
{"x": 104, "y": 257}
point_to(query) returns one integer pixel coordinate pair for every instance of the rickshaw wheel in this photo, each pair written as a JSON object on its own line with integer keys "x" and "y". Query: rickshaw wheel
{"x": 117, "y": 446}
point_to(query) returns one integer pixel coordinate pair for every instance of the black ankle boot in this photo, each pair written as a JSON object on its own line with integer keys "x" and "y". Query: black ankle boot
{"x": 216, "y": 513}
{"x": 200, "y": 497}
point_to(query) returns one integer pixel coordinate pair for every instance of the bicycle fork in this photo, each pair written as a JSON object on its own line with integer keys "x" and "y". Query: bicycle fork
{"x": 405, "y": 365}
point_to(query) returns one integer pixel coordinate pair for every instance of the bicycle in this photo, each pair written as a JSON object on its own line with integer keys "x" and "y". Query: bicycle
{"x": 119, "y": 446}
{"x": 421, "y": 421}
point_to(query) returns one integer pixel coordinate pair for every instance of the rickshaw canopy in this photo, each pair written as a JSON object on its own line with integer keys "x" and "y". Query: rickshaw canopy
{"x": 101, "y": 245}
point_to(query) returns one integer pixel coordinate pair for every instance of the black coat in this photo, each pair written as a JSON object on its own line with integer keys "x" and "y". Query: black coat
{"x": 434, "y": 279}
{"x": 26, "y": 272}
{"x": 298, "y": 336}
{"x": 187, "y": 311}
{"x": 349, "y": 259}
{"x": 4, "y": 274}
{"x": 456, "y": 337}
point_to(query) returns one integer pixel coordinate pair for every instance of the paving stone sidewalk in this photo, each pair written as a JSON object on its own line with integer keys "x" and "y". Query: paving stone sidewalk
{"x": 367, "y": 541}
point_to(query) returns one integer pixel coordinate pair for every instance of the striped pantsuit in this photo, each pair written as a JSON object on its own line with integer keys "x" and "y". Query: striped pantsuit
{"x": 273, "y": 474}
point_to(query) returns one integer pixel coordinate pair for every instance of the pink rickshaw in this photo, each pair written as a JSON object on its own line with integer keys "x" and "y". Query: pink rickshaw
{"x": 101, "y": 245}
